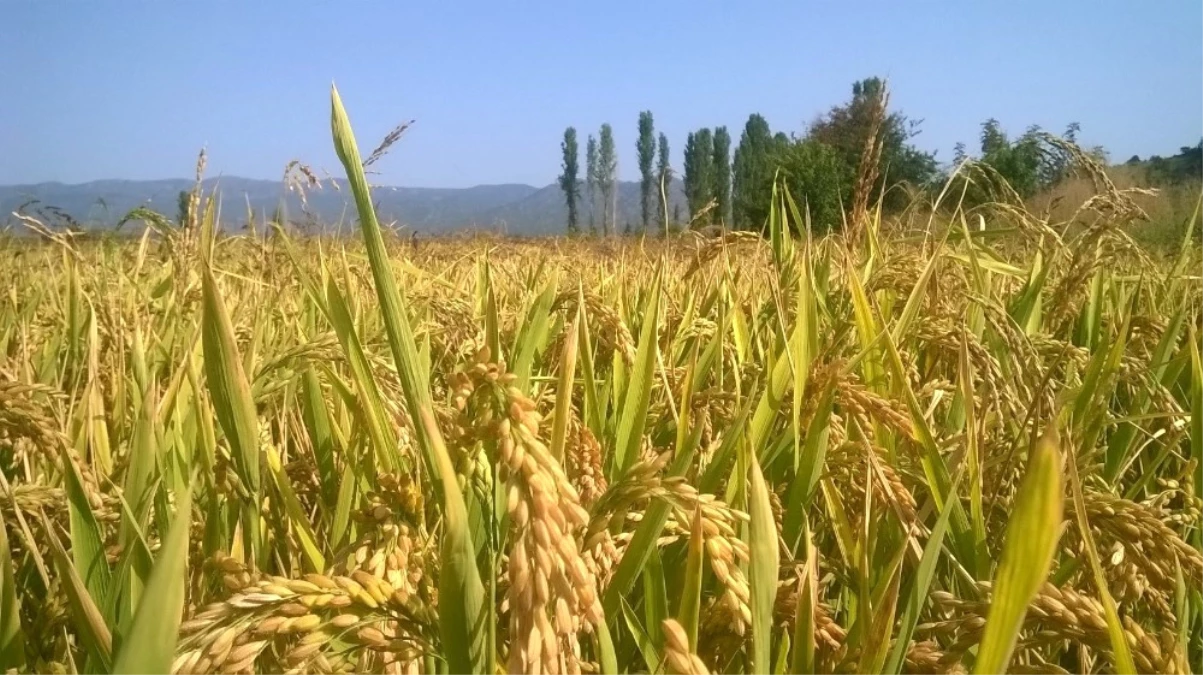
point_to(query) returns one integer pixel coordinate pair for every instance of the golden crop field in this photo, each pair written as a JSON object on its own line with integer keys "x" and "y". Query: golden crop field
{"x": 973, "y": 445}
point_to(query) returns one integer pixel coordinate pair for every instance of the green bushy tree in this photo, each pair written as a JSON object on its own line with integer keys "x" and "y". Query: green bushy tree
{"x": 699, "y": 170}
{"x": 722, "y": 174}
{"x": 752, "y": 174}
{"x": 846, "y": 127}
{"x": 818, "y": 179}
{"x": 1029, "y": 163}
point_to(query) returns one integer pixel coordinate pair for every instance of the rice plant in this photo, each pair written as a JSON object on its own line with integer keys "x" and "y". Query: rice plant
{"x": 972, "y": 446}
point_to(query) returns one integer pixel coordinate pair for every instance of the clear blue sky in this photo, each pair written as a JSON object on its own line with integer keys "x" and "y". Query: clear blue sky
{"x": 107, "y": 89}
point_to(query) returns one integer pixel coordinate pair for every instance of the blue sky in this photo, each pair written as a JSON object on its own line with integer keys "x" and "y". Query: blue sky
{"x": 106, "y": 89}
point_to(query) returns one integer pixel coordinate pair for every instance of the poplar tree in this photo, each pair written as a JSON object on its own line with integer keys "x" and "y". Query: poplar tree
{"x": 607, "y": 177}
{"x": 568, "y": 178}
{"x": 646, "y": 149}
{"x": 663, "y": 181}
{"x": 591, "y": 181}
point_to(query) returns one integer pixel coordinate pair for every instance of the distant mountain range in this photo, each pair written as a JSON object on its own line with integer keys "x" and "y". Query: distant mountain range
{"x": 513, "y": 208}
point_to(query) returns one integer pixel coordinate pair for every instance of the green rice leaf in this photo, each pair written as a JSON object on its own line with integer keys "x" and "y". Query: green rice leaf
{"x": 635, "y": 404}
{"x": 87, "y": 539}
{"x": 691, "y": 587}
{"x": 94, "y": 632}
{"x": 877, "y": 638}
{"x": 312, "y": 556}
{"x": 655, "y": 597}
{"x": 12, "y": 635}
{"x": 804, "y": 613}
{"x": 231, "y": 395}
{"x": 917, "y": 594}
{"x": 370, "y": 406}
{"x": 763, "y": 566}
{"x": 651, "y": 655}
{"x": 1031, "y": 542}
{"x": 1115, "y": 630}
{"x": 149, "y": 647}
{"x": 462, "y": 614}
{"x": 140, "y": 478}
{"x": 532, "y": 338}
{"x": 563, "y": 410}
{"x": 1196, "y": 406}
{"x": 605, "y": 648}
{"x": 321, "y": 436}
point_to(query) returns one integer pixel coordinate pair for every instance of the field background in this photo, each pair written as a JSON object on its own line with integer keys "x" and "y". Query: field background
{"x": 957, "y": 439}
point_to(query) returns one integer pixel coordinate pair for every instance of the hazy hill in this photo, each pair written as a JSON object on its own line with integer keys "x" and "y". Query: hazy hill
{"x": 544, "y": 211}
{"x": 518, "y": 209}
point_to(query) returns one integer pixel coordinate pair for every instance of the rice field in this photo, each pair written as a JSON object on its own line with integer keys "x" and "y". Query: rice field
{"x": 969, "y": 445}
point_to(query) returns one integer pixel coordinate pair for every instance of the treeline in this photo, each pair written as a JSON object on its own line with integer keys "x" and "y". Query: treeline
{"x": 601, "y": 177}
{"x": 1024, "y": 166}
{"x": 858, "y": 151}
{"x": 1186, "y": 166}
